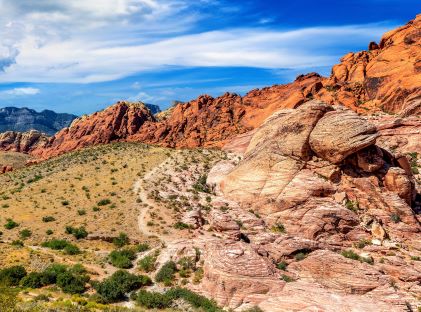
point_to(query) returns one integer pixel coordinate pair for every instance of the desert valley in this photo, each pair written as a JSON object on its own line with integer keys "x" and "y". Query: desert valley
{"x": 303, "y": 196}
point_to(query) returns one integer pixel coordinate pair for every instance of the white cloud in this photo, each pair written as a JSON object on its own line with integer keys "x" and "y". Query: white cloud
{"x": 92, "y": 41}
{"x": 20, "y": 92}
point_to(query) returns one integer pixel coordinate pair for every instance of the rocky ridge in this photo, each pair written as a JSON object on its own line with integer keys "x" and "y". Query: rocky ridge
{"x": 25, "y": 119}
{"x": 382, "y": 80}
{"x": 341, "y": 218}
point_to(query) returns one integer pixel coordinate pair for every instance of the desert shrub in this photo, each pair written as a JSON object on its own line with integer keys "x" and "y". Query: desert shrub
{"x": 17, "y": 243}
{"x": 395, "y": 218}
{"x": 81, "y": 212}
{"x": 115, "y": 287}
{"x": 194, "y": 299}
{"x": 142, "y": 247}
{"x": 278, "y": 228}
{"x": 181, "y": 226}
{"x": 48, "y": 219}
{"x": 200, "y": 185}
{"x": 153, "y": 300}
{"x": 147, "y": 263}
{"x": 121, "y": 240}
{"x": 10, "y": 224}
{"x": 300, "y": 256}
{"x": 362, "y": 243}
{"x": 71, "y": 249}
{"x": 104, "y": 202}
{"x": 282, "y": 265}
{"x": 286, "y": 278}
{"x": 71, "y": 282}
{"x": 12, "y": 276}
{"x": 25, "y": 233}
{"x": 352, "y": 205}
{"x": 33, "y": 280}
{"x": 78, "y": 233}
{"x": 350, "y": 255}
{"x": 122, "y": 259}
{"x": 166, "y": 273}
{"x": 56, "y": 244}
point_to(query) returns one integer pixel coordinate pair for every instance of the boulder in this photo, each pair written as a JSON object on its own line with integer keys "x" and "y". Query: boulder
{"x": 341, "y": 133}
{"x": 334, "y": 271}
{"x": 397, "y": 181}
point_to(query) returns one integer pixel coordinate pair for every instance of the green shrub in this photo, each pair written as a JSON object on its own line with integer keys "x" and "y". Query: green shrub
{"x": 17, "y": 243}
{"x": 12, "y": 276}
{"x": 56, "y": 244}
{"x": 81, "y": 212}
{"x": 71, "y": 249}
{"x": 282, "y": 266}
{"x": 286, "y": 278}
{"x": 104, "y": 202}
{"x": 300, "y": 256}
{"x": 153, "y": 300}
{"x": 142, "y": 247}
{"x": 350, "y": 255}
{"x": 25, "y": 233}
{"x": 10, "y": 224}
{"x": 362, "y": 243}
{"x": 147, "y": 263}
{"x": 181, "y": 226}
{"x": 78, "y": 233}
{"x": 200, "y": 185}
{"x": 48, "y": 219}
{"x": 278, "y": 228}
{"x": 115, "y": 287}
{"x": 72, "y": 283}
{"x": 194, "y": 299}
{"x": 33, "y": 280}
{"x": 166, "y": 273}
{"x": 395, "y": 218}
{"x": 352, "y": 205}
{"x": 122, "y": 259}
{"x": 121, "y": 240}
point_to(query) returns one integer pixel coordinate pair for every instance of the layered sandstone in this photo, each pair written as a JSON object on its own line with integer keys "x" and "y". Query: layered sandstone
{"x": 115, "y": 123}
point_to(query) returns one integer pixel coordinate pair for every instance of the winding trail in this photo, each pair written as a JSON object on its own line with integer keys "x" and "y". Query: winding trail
{"x": 143, "y": 196}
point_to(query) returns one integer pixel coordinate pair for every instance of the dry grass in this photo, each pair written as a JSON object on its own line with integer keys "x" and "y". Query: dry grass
{"x": 16, "y": 160}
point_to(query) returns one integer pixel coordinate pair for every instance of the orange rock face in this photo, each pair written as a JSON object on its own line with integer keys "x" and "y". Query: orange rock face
{"x": 115, "y": 123}
{"x": 386, "y": 77}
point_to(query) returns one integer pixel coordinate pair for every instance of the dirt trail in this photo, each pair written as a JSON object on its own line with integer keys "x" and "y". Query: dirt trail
{"x": 143, "y": 196}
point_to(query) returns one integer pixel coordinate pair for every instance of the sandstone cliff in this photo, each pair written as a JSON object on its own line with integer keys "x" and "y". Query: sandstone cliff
{"x": 384, "y": 79}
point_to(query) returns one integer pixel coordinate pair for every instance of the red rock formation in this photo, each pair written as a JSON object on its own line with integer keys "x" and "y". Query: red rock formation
{"x": 387, "y": 78}
{"x": 115, "y": 123}
{"x": 25, "y": 142}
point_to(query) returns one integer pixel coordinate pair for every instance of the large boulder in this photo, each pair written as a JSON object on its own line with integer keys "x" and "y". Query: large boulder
{"x": 334, "y": 271}
{"x": 234, "y": 271}
{"x": 341, "y": 133}
{"x": 287, "y": 131}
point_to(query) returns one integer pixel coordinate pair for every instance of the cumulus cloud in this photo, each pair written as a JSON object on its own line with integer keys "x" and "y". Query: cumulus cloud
{"x": 93, "y": 41}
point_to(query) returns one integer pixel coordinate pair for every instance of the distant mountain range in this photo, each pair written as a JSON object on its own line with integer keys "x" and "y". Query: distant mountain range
{"x": 47, "y": 121}
{"x": 25, "y": 119}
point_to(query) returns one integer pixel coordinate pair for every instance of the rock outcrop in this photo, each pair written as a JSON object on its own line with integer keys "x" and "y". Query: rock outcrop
{"x": 331, "y": 214}
{"x": 385, "y": 78}
{"x": 115, "y": 123}
{"x": 25, "y": 142}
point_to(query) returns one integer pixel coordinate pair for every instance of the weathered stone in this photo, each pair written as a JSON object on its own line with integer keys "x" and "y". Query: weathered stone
{"x": 339, "y": 134}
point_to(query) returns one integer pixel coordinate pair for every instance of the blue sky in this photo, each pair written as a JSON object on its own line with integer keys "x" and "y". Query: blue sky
{"x": 79, "y": 56}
